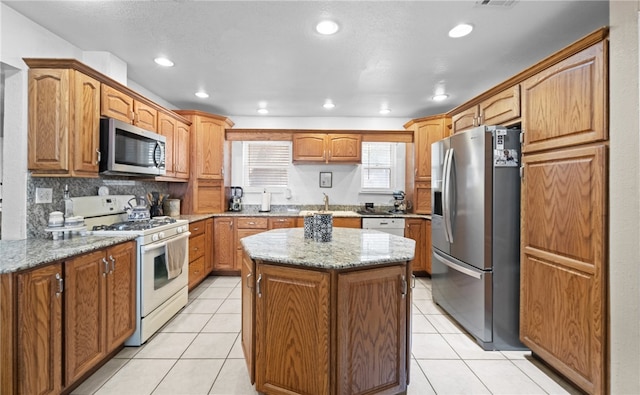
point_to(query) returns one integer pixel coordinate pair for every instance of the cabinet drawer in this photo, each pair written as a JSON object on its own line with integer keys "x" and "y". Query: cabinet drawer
{"x": 196, "y": 247}
{"x": 196, "y": 228}
{"x": 196, "y": 272}
{"x": 252, "y": 223}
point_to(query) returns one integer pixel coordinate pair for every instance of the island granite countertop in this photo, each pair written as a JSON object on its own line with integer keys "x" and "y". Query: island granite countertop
{"x": 349, "y": 248}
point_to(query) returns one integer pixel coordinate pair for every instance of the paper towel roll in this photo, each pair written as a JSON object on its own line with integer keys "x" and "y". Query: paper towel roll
{"x": 266, "y": 201}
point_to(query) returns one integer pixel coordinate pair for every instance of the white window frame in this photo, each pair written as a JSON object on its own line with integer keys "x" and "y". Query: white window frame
{"x": 392, "y": 170}
{"x": 246, "y": 166}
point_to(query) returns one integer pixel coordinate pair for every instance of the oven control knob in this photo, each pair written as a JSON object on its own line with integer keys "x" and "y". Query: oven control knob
{"x": 162, "y": 235}
{"x": 154, "y": 237}
{"x": 179, "y": 229}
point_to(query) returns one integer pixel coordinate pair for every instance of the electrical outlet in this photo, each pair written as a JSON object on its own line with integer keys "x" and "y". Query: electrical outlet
{"x": 44, "y": 195}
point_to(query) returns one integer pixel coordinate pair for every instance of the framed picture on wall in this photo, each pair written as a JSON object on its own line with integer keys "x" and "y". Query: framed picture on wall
{"x": 325, "y": 179}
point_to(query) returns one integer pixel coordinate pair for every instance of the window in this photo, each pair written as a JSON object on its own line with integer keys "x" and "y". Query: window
{"x": 378, "y": 166}
{"x": 266, "y": 163}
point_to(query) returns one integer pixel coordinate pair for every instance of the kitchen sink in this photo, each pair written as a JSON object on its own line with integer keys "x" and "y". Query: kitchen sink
{"x": 336, "y": 213}
{"x": 366, "y": 212}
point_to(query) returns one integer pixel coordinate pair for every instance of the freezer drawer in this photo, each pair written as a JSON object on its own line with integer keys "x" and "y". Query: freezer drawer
{"x": 465, "y": 293}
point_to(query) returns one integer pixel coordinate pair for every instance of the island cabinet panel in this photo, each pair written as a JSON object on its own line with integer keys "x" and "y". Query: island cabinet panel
{"x": 248, "y": 314}
{"x": 563, "y": 296}
{"x": 39, "y": 332}
{"x": 371, "y": 331}
{"x": 566, "y": 104}
{"x": 292, "y": 330}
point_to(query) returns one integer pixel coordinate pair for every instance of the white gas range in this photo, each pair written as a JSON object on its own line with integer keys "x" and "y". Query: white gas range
{"x": 162, "y": 258}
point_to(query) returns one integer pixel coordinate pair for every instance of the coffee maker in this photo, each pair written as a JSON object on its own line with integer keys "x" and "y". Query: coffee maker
{"x": 399, "y": 204}
{"x": 235, "y": 200}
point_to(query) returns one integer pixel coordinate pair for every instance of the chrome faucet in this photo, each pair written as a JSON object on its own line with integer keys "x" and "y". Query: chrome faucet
{"x": 325, "y": 199}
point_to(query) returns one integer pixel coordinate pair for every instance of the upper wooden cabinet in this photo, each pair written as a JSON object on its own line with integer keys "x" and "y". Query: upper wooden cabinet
{"x": 566, "y": 104}
{"x": 64, "y": 123}
{"x": 119, "y": 105}
{"x": 496, "y": 110}
{"x": 177, "y": 146}
{"x": 327, "y": 148}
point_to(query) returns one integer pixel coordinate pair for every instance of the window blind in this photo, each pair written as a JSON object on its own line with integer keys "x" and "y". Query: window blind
{"x": 377, "y": 162}
{"x": 266, "y": 163}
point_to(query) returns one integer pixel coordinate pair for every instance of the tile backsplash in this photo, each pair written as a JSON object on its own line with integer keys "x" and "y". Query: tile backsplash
{"x": 38, "y": 214}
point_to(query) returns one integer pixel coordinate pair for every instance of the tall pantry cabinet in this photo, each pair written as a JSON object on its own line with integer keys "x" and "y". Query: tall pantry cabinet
{"x": 563, "y": 299}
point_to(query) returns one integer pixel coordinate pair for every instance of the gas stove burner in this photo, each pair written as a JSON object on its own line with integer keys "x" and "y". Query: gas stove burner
{"x": 162, "y": 220}
{"x": 137, "y": 225}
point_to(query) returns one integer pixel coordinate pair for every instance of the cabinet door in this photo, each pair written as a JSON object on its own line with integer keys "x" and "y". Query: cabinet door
{"x": 309, "y": 147}
{"x": 345, "y": 148}
{"x": 566, "y": 104}
{"x": 168, "y": 128}
{"x": 344, "y": 222}
{"x": 248, "y": 280}
{"x": 225, "y": 248}
{"x": 86, "y": 124}
{"x": 181, "y": 151}
{"x": 209, "y": 148}
{"x": 464, "y": 120}
{"x": 292, "y": 330}
{"x": 425, "y": 134}
{"x": 49, "y": 108}
{"x": 39, "y": 334}
{"x": 196, "y": 272}
{"x": 427, "y": 244}
{"x": 501, "y": 108}
{"x": 422, "y": 203}
{"x": 84, "y": 307}
{"x": 563, "y": 264}
{"x": 115, "y": 104}
{"x": 121, "y": 294}
{"x": 279, "y": 223}
{"x": 208, "y": 246}
{"x": 372, "y": 323}
{"x": 208, "y": 197}
{"x": 415, "y": 229}
{"x": 146, "y": 117}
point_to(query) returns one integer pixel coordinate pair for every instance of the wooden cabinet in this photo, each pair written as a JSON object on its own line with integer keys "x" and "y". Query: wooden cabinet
{"x": 564, "y": 218}
{"x": 99, "y": 306}
{"x": 302, "y": 345}
{"x": 224, "y": 250}
{"x": 327, "y": 148}
{"x": 247, "y": 226}
{"x": 499, "y": 109}
{"x": 419, "y": 229}
{"x": 200, "y": 251}
{"x": 426, "y": 131}
{"x": 209, "y": 166}
{"x": 566, "y": 104}
{"x": 177, "y": 146}
{"x": 282, "y": 222}
{"x": 119, "y": 105}
{"x": 64, "y": 123}
{"x": 37, "y": 368}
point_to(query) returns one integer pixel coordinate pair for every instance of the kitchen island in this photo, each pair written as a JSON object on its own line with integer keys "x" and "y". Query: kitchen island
{"x": 327, "y": 318}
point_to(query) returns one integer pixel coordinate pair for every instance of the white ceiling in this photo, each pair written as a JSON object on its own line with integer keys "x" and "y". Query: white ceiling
{"x": 387, "y": 52}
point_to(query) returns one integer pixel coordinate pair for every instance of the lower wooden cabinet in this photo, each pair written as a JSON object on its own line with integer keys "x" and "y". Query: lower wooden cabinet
{"x": 224, "y": 250}
{"x": 247, "y": 226}
{"x": 200, "y": 251}
{"x": 419, "y": 229}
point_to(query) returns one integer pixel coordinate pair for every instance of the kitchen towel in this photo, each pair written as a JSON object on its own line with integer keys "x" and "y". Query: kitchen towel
{"x": 176, "y": 256}
{"x": 266, "y": 201}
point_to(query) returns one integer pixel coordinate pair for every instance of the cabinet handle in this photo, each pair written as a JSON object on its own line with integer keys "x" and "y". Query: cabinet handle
{"x": 413, "y": 281}
{"x": 60, "y": 282}
{"x": 258, "y": 287}
{"x": 197, "y": 228}
{"x": 249, "y": 282}
{"x": 99, "y": 156}
{"x": 113, "y": 264}
{"x": 404, "y": 286}
{"x": 106, "y": 267}
{"x": 252, "y": 223}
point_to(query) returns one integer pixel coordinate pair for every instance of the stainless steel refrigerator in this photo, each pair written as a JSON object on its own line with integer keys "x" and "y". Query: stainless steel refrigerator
{"x": 476, "y": 233}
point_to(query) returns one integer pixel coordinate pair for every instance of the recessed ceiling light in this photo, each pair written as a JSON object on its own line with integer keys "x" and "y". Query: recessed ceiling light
{"x": 263, "y": 111}
{"x": 384, "y": 111}
{"x": 439, "y": 97}
{"x": 461, "y": 30}
{"x": 202, "y": 95}
{"x": 327, "y": 27}
{"x": 163, "y": 62}
{"x": 328, "y": 104}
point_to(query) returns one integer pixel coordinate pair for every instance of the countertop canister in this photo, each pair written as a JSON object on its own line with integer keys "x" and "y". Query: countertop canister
{"x": 172, "y": 207}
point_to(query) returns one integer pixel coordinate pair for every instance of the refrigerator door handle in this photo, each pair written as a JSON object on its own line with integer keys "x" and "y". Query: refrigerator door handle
{"x": 446, "y": 204}
{"x": 460, "y": 269}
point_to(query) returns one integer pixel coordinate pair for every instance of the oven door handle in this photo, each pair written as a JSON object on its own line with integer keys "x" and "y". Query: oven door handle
{"x": 154, "y": 246}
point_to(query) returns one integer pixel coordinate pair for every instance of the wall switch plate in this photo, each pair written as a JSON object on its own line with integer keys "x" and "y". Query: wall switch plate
{"x": 44, "y": 195}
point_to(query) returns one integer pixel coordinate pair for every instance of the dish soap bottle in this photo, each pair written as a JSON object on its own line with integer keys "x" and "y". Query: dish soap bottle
{"x": 68, "y": 203}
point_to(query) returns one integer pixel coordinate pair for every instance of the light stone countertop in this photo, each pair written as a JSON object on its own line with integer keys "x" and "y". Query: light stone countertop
{"x": 18, "y": 255}
{"x": 349, "y": 248}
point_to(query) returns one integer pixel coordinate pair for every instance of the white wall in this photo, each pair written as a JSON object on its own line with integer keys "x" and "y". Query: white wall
{"x": 624, "y": 195}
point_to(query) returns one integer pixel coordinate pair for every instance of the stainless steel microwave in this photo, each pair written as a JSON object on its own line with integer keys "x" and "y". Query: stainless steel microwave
{"x": 126, "y": 149}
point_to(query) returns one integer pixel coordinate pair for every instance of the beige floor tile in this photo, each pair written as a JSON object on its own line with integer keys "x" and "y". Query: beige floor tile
{"x": 467, "y": 348}
{"x": 203, "y": 306}
{"x": 517, "y": 354}
{"x": 236, "y": 350}
{"x": 224, "y": 323}
{"x": 128, "y": 352}
{"x": 230, "y": 306}
{"x": 451, "y": 377}
{"x": 138, "y": 377}
{"x": 226, "y": 281}
{"x": 236, "y": 293}
{"x": 421, "y": 294}
{"x": 233, "y": 379}
{"x": 427, "y": 306}
{"x": 211, "y": 345}
{"x": 420, "y": 324}
{"x": 503, "y": 377}
{"x": 190, "y": 376}
{"x": 187, "y": 323}
{"x": 418, "y": 383}
{"x": 215, "y": 293}
{"x": 431, "y": 346}
{"x": 444, "y": 323}
{"x": 101, "y": 376}
{"x": 166, "y": 345}
{"x": 545, "y": 378}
